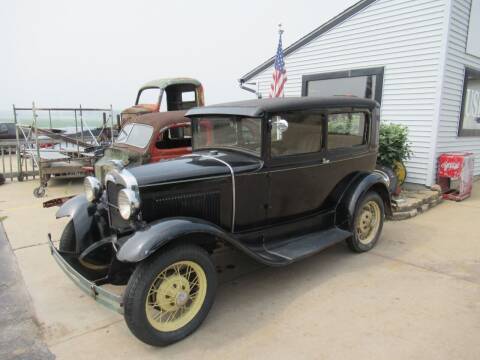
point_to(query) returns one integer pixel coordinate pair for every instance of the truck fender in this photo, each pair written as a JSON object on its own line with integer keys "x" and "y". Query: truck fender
{"x": 145, "y": 242}
{"x": 357, "y": 188}
{"x": 79, "y": 210}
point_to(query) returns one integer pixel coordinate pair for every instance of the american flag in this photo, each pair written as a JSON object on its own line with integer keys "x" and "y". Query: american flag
{"x": 279, "y": 73}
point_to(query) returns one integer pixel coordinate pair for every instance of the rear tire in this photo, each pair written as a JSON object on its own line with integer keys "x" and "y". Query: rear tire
{"x": 169, "y": 295}
{"x": 68, "y": 239}
{"x": 368, "y": 222}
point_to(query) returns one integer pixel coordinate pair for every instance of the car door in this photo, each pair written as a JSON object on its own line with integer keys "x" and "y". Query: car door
{"x": 171, "y": 143}
{"x": 348, "y": 145}
{"x": 297, "y": 169}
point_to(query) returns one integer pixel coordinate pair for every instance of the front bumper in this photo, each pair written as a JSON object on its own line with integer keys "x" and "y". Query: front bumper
{"x": 91, "y": 288}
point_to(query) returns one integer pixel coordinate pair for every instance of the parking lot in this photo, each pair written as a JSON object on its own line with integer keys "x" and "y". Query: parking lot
{"x": 415, "y": 296}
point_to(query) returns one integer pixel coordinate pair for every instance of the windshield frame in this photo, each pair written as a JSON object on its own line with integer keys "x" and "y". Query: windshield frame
{"x": 133, "y": 124}
{"x": 213, "y": 117}
{"x": 160, "y": 95}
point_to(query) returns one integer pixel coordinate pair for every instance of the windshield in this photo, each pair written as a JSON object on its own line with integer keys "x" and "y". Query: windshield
{"x": 137, "y": 135}
{"x": 149, "y": 96}
{"x": 238, "y": 133}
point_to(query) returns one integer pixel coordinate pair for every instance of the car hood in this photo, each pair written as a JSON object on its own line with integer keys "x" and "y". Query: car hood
{"x": 124, "y": 155}
{"x": 195, "y": 166}
{"x": 139, "y": 109}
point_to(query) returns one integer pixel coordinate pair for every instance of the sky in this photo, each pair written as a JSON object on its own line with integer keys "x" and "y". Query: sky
{"x": 96, "y": 53}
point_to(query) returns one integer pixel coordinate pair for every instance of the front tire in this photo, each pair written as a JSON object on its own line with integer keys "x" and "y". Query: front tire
{"x": 368, "y": 223}
{"x": 169, "y": 295}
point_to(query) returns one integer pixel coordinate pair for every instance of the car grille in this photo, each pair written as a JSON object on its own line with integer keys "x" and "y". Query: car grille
{"x": 116, "y": 220}
{"x": 204, "y": 206}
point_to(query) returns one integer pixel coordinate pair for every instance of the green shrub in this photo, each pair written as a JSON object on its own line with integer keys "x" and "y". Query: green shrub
{"x": 394, "y": 145}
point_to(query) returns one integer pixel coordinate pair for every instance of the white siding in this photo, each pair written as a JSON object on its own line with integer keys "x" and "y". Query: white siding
{"x": 404, "y": 36}
{"x": 457, "y": 59}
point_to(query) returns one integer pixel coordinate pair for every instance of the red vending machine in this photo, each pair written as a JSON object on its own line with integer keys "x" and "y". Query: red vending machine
{"x": 455, "y": 175}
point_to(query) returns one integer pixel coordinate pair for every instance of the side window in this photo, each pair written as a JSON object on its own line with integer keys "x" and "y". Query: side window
{"x": 346, "y": 130}
{"x": 298, "y": 133}
{"x": 175, "y": 137}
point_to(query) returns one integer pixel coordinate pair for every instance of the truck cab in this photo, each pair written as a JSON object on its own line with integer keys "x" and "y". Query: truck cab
{"x": 169, "y": 94}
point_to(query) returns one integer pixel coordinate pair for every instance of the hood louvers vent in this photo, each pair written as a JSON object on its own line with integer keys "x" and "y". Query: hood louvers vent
{"x": 204, "y": 206}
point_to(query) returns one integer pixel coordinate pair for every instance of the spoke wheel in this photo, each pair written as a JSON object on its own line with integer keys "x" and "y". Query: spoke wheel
{"x": 368, "y": 222}
{"x": 176, "y": 296}
{"x": 170, "y": 294}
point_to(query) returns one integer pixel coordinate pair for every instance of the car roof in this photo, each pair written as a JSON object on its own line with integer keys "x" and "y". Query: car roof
{"x": 259, "y": 107}
{"x": 160, "y": 120}
{"x": 163, "y": 83}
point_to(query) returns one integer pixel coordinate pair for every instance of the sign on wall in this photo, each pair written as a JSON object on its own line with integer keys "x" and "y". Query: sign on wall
{"x": 473, "y": 41}
{"x": 470, "y": 118}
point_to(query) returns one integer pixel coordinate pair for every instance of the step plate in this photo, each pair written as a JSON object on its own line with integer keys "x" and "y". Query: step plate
{"x": 294, "y": 249}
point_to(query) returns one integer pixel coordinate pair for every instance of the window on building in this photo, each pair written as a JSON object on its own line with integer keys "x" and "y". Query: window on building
{"x": 364, "y": 83}
{"x": 299, "y": 133}
{"x": 469, "y": 124}
{"x": 346, "y": 130}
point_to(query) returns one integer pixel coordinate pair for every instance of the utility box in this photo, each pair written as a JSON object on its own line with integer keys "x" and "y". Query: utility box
{"x": 455, "y": 175}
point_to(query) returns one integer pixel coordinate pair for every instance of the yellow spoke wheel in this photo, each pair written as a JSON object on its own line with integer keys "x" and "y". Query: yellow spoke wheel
{"x": 368, "y": 222}
{"x": 176, "y": 296}
{"x": 400, "y": 171}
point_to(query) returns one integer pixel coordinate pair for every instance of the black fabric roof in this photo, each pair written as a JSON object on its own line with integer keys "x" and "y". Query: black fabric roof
{"x": 258, "y": 107}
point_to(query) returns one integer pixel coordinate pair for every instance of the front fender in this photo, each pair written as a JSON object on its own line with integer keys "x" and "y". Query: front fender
{"x": 145, "y": 242}
{"x": 81, "y": 211}
{"x": 358, "y": 187}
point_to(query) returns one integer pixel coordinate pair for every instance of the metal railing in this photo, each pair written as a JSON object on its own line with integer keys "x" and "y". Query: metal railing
{"x": 9, "y": 163}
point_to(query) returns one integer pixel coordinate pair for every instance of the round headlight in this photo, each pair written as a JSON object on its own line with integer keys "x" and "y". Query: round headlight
{"x": 93, "y": 188}
{"x": 128, "y": 203}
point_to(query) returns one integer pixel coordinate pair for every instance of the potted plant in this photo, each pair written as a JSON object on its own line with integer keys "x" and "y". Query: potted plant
{"x": 394, "y": 148}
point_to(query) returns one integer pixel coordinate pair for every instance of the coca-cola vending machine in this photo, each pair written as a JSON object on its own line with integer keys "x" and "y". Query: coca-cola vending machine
{"x": 455, "y": 175}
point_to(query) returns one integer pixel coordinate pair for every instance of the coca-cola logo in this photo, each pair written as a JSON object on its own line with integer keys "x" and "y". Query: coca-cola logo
{"x": 450, "y": 166}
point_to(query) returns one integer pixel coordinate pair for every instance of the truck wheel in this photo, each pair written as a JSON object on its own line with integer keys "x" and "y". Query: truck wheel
{"x": 169, "y": 295}
{"x": 368, "y": 223}
{"x": 67, "y": 240}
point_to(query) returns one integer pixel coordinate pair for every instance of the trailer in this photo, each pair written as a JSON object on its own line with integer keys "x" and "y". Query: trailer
{"x": 57, "y": 153}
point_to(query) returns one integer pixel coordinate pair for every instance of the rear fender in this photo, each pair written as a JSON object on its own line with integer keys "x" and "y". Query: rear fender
{"x": 157, "y": 234}
{"x": 357, "y": 188}
{"x": 81, "y": 211}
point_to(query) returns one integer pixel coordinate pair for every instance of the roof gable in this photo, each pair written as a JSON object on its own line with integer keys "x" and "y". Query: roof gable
{"x": 352, "y": 10}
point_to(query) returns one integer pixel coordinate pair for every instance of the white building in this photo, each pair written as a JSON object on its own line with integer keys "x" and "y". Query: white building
{"x": 419, "y": 58}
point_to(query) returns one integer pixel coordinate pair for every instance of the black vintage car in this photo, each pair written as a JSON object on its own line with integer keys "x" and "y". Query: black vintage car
{"x": 277, "y": 179}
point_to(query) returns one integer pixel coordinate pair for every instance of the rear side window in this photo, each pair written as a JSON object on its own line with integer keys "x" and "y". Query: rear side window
{"x": 296, "y": 133}
{"x": 346, "y": 130}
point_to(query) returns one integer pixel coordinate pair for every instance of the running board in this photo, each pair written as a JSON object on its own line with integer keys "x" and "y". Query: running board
{"x": 286, "y": 251}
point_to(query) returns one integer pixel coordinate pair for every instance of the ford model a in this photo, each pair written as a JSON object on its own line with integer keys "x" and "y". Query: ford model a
{"x": 168, "y": 94}
{"x": 277, "y": 179}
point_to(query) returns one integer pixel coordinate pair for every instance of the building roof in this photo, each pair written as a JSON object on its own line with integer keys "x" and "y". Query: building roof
{"x": 352, "y": 10}
{"x": 258, "y": 107}
{"x": 163, "y": 83}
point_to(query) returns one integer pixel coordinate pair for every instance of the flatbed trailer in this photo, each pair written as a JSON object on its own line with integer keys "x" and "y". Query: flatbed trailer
{"x": 61, "y": 155}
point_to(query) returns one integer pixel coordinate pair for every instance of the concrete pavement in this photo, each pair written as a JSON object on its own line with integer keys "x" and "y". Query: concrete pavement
{"x": 19, "y": 334}
{"x": 415, "y": 296}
